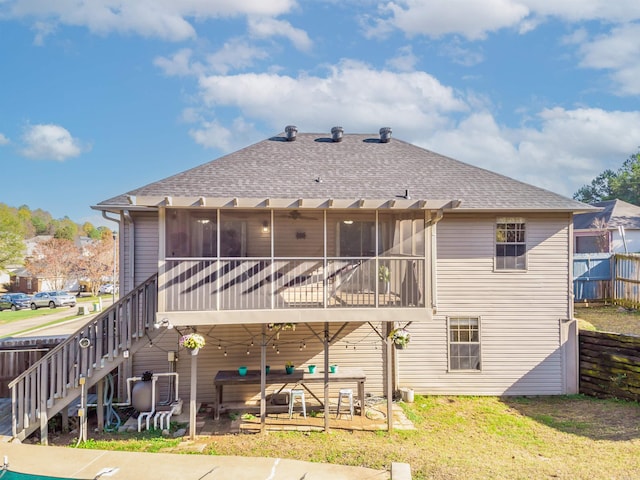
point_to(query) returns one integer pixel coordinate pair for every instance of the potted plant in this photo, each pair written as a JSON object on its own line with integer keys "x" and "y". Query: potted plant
{"x": 289, "y": 368}
{"x": 384, "y": 275}
{"x": 193, "y": 342}
{"x": 400, "y": 337}
{"x": 279, "y": 327}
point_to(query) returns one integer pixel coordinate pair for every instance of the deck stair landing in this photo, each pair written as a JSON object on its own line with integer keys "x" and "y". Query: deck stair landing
{"x": 88, "y": 355}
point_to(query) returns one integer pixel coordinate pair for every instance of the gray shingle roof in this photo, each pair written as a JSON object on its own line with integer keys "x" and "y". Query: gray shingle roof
{"x": 358, "y": 167}
{"x": 614, "y": 213}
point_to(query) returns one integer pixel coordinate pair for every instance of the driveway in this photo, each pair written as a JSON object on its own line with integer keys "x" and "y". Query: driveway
{"x": 35, "y": 326}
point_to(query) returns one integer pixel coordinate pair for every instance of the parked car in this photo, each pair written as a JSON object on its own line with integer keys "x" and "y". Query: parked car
{"x": 52, "y": 299}
{"x": 107, "y": 288}
{"x": 14, "y": 301}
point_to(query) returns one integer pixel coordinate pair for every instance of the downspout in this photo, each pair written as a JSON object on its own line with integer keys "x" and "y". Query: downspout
{"x": 433, "y": 260}
{"x": 119, "y": 222}
{"x": 569, "y": 339}
{"x": 132, "y": 263}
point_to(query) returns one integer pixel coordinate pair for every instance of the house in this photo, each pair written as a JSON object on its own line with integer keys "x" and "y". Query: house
{"x": 23, "y": 281}
{"x": 344, "y": 237}
{"x": 614, "y": 228}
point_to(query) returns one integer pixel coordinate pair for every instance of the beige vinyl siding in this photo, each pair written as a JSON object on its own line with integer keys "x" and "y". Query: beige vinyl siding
{"x": 139, "y": 244}
{"x": 286, "y": 232}
{"x": 368, "y": 354}
{"x": 520, "y": 311}
{"x": 146, "y": 245}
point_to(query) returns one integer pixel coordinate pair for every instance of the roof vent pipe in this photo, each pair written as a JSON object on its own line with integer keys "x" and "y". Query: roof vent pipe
{"x": 336, "y": 134}
{"x": 385, "y": 134}
{"x": 291, "y": 131}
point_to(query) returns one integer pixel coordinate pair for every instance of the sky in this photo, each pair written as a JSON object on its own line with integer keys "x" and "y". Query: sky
{"x": 98, "y": 97}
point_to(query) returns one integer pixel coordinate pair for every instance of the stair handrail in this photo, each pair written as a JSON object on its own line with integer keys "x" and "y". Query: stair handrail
{"x": 105, "y": 336}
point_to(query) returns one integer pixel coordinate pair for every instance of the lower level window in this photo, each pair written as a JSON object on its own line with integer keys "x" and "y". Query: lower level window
{"x": 464, "y": 343}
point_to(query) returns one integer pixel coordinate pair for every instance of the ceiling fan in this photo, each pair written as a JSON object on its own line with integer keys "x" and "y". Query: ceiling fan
{"x": 296, "y": 215}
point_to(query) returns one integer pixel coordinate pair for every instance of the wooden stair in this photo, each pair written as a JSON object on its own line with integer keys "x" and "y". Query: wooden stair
{"x": 88, "y": 355}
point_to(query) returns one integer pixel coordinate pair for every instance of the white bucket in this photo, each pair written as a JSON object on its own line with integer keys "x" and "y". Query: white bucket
{"x": 407, "y": 395}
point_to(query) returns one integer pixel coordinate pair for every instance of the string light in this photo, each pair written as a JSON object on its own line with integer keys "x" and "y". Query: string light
{"x": 248, "y": 352}
{"x": 225, "y": 351}
{"x": 219, "y": 346}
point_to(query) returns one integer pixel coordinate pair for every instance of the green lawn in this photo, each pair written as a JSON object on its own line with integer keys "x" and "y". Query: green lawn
{"x": 610, "y": 318}
{"x": 567, "y": 437}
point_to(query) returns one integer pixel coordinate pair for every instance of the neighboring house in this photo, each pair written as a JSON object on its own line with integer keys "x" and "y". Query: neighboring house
{"x": 615, "y": 228}
{"x": 25, "y": 282}
{"x": 295, "y": 229}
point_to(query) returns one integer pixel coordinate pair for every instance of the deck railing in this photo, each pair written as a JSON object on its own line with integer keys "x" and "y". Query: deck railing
{"x": 97, "y": 345}
{"x": 265, "y": 283}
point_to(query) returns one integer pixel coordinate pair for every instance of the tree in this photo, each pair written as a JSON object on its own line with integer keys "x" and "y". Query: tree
{"x": 623, "y": 184}
{"x": 65, "y": 228}
{"x": 96, "y": 262}
{"x": 91, "y": 231}
{"x": 56, "y": 260}
{"x": 42, "y": 222}
{"x": 598, "y": 190}
{"x": 11, "y": 237}
{"x": 24, "y": 213}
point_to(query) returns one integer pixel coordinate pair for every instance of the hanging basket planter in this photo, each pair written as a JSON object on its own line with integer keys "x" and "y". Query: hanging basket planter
{"x": 400, "y": 338}
{"x": 192, "y": 342}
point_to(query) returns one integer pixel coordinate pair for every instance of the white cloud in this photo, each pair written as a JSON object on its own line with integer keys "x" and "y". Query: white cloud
{"x": 474, "y": 20}
{"x": 579, "y": 10}
{"x": 461, "y": 55}
{"x": 435, "y": 18}
{"x": 212, "y": 134}
{"x": 404, "y": 61}
{"x": 166, "y": 19}
{"x": 3, "y": 140}
{"x": 568, "y": 149}
{"x": 618, "y": 51}
{"x": 179, "y": 64}
{"x": 270, "y": 27}
{"x": 235, "y": 54}
{"x": 50, "y": 142}
{"x": 350, "y": 92}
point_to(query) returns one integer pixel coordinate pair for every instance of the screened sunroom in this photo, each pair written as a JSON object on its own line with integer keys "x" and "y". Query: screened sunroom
{"x": 279, "y": 261}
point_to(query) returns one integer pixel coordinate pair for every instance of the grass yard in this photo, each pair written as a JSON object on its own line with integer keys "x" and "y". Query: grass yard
{"x": 569, "y": 437}
{"x": 609, "y": 318}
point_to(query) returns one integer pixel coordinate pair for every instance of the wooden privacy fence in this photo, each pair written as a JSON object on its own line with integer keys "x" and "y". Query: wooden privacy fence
{"x": 18, "y": 354}
{"x": 592, "y": 274}
{"x": 609, "y": 365}
{"x": 607, "y": 277}
{"x": 626, "y": 279}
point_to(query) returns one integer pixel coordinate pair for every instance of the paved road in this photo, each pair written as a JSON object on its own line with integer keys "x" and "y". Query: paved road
{"x": 13, "y": 329}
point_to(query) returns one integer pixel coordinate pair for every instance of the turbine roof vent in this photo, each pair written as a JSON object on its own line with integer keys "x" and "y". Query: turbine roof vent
{"x": 290, "y": 131}
{"x": 385, "y": 134}
{"x": 336, "y": 134}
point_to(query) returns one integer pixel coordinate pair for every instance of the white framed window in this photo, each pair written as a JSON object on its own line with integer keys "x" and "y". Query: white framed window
{"x": 464, "y": 343}
{"x": 511, "y": 244}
